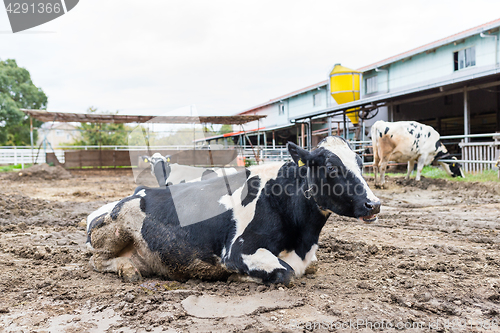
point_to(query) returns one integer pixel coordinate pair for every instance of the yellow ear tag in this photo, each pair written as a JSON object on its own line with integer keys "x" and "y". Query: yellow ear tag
{"x": 145, "y": 160}
{"x": 453, "y": 165}
{"x": 301, "y": 163}
{"x": 168, "y": 159}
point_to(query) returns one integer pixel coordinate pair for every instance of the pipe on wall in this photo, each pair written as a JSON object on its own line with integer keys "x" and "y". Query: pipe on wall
{"x": 483, "y": 35}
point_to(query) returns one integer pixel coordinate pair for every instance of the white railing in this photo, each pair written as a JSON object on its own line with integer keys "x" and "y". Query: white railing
{"x": 277, "y": 154}
{"x": 479, "y": 156}
{"x": 476, "y": 156}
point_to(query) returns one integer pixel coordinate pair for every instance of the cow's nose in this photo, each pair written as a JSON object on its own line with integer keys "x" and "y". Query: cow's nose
{"x": 373, "y": 206}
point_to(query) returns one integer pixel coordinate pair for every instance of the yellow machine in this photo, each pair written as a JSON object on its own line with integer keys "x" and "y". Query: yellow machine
{"x": 345, "y": 88}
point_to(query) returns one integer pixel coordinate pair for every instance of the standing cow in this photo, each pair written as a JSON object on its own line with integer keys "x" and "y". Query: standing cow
{"x": 262, "y": 223}
{"x": 408, "y": 141}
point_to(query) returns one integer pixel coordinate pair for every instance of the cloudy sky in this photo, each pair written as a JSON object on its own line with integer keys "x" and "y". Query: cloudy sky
{"x": 154, "y": 57}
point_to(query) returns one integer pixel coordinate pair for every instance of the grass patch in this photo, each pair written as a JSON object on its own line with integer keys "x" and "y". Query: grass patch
{"x": 7, "y": 168}
{"x": 438, "y": 172}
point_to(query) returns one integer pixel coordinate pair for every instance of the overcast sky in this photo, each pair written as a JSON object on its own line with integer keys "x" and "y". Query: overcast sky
{"x": 153, "y": 57}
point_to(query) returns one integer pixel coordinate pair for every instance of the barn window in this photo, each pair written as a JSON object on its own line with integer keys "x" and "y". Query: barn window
{"x": 371, "y": 84}
{"x": 464, "y": 58}
{"x": 317, "y": 99}
{"x": 281, "y": 110}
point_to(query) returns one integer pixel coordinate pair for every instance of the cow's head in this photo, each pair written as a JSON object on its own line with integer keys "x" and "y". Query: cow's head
{"x": 453, "y": 169}
{"x": 160, "y": 168}
{"x": 333, "y": 175}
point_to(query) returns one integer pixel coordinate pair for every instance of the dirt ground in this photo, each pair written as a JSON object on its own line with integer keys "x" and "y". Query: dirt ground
{"x": 430, "y": 264}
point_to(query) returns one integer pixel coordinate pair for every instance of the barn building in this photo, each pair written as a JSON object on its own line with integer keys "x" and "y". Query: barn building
{"x": 452, "y": 84}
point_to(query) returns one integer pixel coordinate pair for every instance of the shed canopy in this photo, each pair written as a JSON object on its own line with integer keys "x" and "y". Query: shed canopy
{"x": 47, "y": 116}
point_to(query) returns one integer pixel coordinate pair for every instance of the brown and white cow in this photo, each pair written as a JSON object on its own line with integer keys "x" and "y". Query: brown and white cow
{"x": 408, "y": 141}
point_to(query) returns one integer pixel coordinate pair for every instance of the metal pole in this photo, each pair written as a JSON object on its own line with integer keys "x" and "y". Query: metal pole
{"x": 309, "y": 135}
{"x": 329, "y": 119}
{"x": 31, "y": 139}
{"x": 302, "y": 135}
{"x": 345, "y": 125}
{"x": 466, "y": 114}
{"x": 274, "y": 142}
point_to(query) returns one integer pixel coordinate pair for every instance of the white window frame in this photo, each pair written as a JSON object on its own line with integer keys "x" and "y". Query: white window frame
{"x": 465, "y": 58}
{"x": 281, "y": 109}
{"x": 371, "y": 84}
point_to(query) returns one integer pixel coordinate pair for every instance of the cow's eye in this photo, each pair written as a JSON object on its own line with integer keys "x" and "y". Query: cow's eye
{"x": 331, "y": 168}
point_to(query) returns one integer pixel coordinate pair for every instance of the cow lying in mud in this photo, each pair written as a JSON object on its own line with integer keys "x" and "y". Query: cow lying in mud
{"x": 167, "y": 173}
{"x": 262, "y": 224}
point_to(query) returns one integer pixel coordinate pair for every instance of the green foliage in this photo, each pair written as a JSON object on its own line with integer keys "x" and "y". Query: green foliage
{"x": 93, "y": 134}
{"x": 12, "y": 167}
{"x": 226, "y": 129}
{"x": 17, "y": 91}
{"x": 249, "y": 162}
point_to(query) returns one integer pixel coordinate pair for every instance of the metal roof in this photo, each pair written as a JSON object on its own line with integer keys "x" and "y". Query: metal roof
{"x": 47, "y": 116}
{"x": 249, "y": 132}
{"x": 293, "y": 93}
{"x": 434, "y": 45}
{"x": 336, "y": 109}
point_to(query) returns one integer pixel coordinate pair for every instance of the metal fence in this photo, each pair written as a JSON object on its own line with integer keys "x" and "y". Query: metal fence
{"x": 475, "y": 156}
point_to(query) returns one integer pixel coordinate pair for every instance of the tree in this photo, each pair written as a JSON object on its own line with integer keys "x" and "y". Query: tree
{"x": 226, "y": 129}
{"x": 17, "y": 91}
{"x": 103, "y": 134}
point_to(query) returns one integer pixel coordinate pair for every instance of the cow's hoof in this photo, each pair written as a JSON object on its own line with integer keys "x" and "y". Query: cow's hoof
{"x": 129, "y": 273}
{"x": 312, "y": 268}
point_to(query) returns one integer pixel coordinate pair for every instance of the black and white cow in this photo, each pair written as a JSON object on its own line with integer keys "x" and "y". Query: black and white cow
{"x": 262, "y": 224}
{"x": 167, "y": 173}
{"x": 408, "y": 141}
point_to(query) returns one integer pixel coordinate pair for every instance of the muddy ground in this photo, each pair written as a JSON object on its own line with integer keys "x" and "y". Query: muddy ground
{"x": 431, "y": 262}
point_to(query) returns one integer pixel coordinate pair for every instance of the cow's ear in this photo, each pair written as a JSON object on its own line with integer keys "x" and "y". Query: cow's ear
{"x": 299, "y": 155}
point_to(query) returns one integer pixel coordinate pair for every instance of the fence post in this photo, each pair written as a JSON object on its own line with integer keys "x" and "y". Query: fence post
{"x": 15, "y": 155}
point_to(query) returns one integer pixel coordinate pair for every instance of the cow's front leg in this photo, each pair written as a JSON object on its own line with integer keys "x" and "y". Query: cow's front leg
{"x": 383, "y": 168}
{"x": 262, "y": 265}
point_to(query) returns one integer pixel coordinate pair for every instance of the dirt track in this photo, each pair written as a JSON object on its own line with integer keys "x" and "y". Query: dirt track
{"x": 433, "y": 258}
